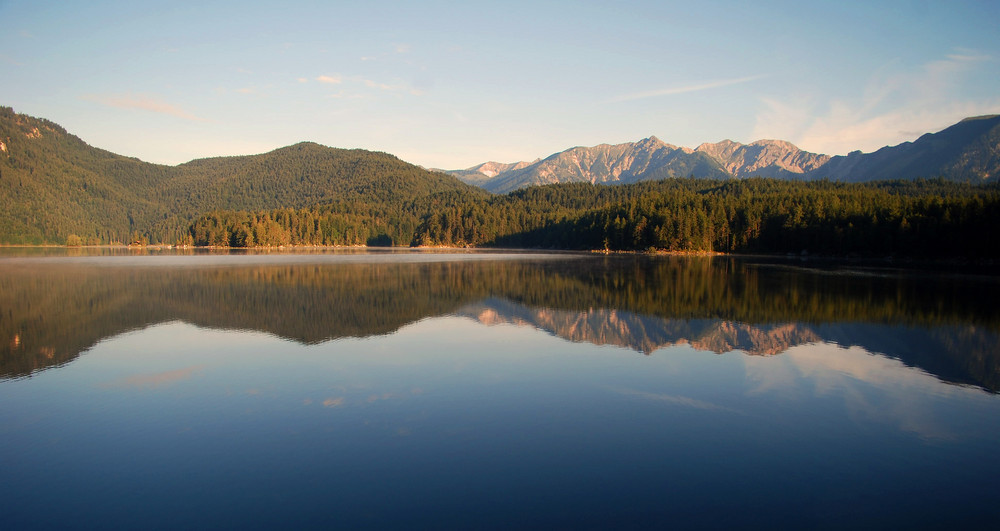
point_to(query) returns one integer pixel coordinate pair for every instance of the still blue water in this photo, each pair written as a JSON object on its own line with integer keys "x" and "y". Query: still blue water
{"x": 483, "y": 407}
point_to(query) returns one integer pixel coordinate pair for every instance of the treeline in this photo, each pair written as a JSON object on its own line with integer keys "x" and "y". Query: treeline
{"x": 349, "y": 222}
{"x": 926, "y": 218}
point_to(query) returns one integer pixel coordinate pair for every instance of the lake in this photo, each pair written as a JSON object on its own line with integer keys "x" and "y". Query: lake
{"x": 420, "y": 389}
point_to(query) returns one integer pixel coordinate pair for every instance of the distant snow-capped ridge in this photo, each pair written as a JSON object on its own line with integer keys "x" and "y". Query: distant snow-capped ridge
{"x": 968, "y": 150}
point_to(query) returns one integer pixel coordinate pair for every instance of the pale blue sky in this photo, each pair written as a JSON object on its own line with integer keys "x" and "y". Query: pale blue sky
{"x": 452, "y": 84}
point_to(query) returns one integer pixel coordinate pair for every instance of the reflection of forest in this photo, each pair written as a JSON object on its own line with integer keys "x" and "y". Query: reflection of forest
{"x": 945, "y": 325}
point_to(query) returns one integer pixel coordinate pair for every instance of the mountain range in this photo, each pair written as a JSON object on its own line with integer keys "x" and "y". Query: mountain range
{"x": 968, "y": 150}
{"x": 53, "y": 185}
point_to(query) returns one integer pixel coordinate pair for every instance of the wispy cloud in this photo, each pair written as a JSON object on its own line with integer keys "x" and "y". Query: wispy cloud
{"x": 330, "y": 80}
{"x": 374, "y": 84}
{"x": 896, "y": 105}
{"x": 144, "y": 103}
{"x": 345, "y": 95}
{"x": 398, "y": 49}
{"x": 698, "y": 87}
{"x": 7, "y": 59}
{"x": 355, "y": 85}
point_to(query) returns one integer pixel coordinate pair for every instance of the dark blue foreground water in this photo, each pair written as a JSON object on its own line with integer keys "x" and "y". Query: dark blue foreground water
{"x": 493, "y": 391}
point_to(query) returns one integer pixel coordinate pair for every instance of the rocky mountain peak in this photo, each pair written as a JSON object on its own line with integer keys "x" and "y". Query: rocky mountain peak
{"x": 969, "y": 148}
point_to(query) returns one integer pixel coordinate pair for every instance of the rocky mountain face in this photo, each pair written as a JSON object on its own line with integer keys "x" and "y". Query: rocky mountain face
{"x": 481, "y": 173}
{"x": 644, "y": 333}
{"x": 969, "y": 149}
{"x": 647, "y": 159}
{"x": 764, "y": 158}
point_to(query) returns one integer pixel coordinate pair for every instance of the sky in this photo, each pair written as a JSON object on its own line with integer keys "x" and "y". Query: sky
{"x": 453, "y": 84}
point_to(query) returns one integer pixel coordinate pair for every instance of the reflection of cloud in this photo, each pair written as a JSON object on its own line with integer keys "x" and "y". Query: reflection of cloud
{"x": 873, "y": 387}
{"x": 155, "y": 380}
{"x": 697, "y": 87}
{"x": 333, "y": 402}
{"x": 383, "y": 396}
{"x": 144, "y": 103}
{"x": 675, "y": 399}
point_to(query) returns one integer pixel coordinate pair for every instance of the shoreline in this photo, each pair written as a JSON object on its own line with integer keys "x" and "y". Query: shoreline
{"x": 955, "y": 264}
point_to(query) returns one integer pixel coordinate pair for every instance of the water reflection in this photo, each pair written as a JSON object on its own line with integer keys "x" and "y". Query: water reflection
{"x": 384, "y": 391}
{"x": 52, "y": 310}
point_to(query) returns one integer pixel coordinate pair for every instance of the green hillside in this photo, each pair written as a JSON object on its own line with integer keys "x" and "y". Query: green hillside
{"x": 52, "y": 185}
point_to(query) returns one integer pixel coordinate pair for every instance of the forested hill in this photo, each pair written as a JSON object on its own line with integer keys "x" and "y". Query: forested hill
{"x": 53, "y": 185}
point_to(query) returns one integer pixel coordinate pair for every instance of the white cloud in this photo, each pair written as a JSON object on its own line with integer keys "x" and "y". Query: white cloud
{"x": 331, "y": 80}
{"x": 145, "y": 103}
{"x": 895, "y": 106}
{"x": 698, "y": 87}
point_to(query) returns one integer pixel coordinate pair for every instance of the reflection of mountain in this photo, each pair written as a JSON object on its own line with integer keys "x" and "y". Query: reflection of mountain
{"x": 642, "y": 333}
{"x": 50, "y": 311}
{"x": 961, "y": 354}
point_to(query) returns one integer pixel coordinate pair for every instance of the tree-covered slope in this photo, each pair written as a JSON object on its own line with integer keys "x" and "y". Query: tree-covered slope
{"x": 52, "y": 185}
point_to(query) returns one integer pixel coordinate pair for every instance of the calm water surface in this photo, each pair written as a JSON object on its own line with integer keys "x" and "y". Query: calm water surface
{"x": 492, "y": 390}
